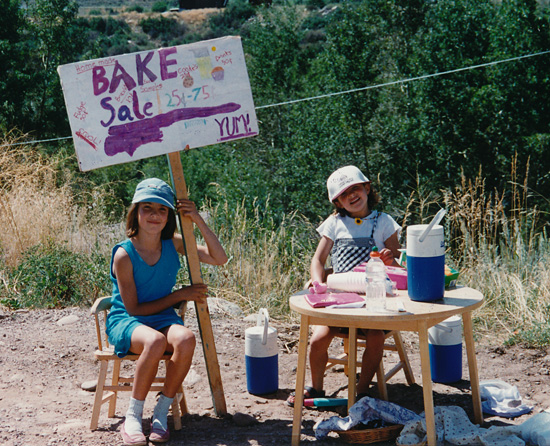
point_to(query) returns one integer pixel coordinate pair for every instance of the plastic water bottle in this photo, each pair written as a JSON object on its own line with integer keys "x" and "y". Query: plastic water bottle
{"x": 375, "y": 265}
{"x": 375, "y": 282}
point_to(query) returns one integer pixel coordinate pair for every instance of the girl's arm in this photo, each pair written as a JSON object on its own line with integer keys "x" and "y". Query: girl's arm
{"x": 124, "y": 273}
{"x": 213, "y": 253}
{"x": 319, "y": 259}
{"x": 390, "y": 253}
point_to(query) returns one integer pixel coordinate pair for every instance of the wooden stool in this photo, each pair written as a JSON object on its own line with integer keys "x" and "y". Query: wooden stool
{"x": 105, "y": 355}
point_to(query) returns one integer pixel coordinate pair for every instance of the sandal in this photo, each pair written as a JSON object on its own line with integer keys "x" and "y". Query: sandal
{"x": 158, "y": 435}
{"x": 137, "y": 439}
{"x": 309, "y": 392}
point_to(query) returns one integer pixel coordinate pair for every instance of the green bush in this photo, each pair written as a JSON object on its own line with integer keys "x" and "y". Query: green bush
{"x": 136, "y": 8}
{"x": 106, "y": 26}
{"x": 162, "y": 28}
{"x": 94, "y": 12}
{"x": 231, "y": 18}
{"x": 159, "y": 7}
{"x": 51, "y": 276}
{"x": 534, "y": 337}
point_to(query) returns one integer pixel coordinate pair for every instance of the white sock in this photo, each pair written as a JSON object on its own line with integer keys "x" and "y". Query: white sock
{"x": 134, "y": 414}
{"x": 160, "y": 414}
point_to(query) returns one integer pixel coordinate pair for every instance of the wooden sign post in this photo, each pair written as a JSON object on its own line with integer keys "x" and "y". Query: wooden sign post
{"x": 203, "y": 315}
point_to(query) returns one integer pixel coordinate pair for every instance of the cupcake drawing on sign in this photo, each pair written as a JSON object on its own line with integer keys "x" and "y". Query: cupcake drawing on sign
{"x": 188, "y": 81}
{"x": 217, "y": 73}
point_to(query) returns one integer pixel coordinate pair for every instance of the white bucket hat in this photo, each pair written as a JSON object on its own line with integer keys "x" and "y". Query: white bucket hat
{"x": 343, "y": 178}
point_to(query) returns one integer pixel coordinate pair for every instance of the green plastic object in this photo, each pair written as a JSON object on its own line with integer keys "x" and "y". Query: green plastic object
{"x": 450, "y": 279}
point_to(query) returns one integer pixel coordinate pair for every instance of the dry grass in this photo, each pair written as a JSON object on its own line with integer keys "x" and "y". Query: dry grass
{"x": 266, "y": 265}
{"x": 498, "y": 242}
{"x": 35, "y": 210}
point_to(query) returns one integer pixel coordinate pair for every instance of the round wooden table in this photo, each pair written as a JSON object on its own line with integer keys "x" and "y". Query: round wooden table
{"x": 417, "y": 317}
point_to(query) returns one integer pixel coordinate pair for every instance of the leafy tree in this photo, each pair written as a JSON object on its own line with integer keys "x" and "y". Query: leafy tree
{"x": 11, "y": 59}
{"x": 368, "y": 43}
{"x": 518, "y": 100}
{"x": 477, "y": 117}
{"x": 427, "y": 130}
{"x": 51, "y": 40}
{"x": 230, "y": 20}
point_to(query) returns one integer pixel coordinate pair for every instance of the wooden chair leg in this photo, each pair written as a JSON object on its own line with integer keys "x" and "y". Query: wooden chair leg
{"x": 381, "y": 376}
{"x": 176, "y": 415}
{"x": 179, "y": 408}
{"x": 183, "y": 404}
{"x": 381, "y": 381}
{"x": 115, "y": 381}
{"x": 345, "y": 355}
{"x": 403, "y": 357}
{"x": 99, "y": 394}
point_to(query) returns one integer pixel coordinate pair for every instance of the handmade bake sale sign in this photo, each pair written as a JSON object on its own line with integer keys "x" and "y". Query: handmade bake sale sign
{"x": 134, "y": 106}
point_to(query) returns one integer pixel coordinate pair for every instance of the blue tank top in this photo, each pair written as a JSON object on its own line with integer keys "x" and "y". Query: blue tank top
{"x": 152, "y": 283}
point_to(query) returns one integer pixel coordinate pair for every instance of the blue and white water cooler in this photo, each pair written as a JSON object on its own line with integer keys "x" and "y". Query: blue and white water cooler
{"x": 425, "y": 263}
{"x": 445, "y": 345}
{"x": 261, "y": 356}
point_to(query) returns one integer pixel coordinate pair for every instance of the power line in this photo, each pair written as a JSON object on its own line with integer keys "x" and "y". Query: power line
{"x": 355, "y": 90}
{"x": 403, "y": 81}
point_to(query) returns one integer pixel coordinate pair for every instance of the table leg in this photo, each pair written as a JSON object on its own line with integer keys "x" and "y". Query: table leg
{"x": 472, "y": 366}
{"x": 427, "y": 382}
{"x": 300, "y": 380}
{"x": 352, "y": 365}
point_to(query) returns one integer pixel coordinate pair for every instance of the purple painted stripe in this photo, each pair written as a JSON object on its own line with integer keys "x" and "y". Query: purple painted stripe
{"x": 128, "y": 137}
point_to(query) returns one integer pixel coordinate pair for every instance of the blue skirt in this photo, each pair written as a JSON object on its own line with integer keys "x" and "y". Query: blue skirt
{"x": 120, "y": 326}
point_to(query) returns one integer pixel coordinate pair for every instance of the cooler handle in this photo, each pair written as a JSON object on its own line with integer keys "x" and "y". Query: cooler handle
{"x": 265, "y": 320}
{"x": 435, "y": 221}
{"x": 444, "y": 328}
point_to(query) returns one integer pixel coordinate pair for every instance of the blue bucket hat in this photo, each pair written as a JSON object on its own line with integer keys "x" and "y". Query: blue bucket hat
{"x": 155, "y": 191}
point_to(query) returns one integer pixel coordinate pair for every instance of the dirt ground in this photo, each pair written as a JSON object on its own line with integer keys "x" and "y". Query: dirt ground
{"x": 43, "y": 364}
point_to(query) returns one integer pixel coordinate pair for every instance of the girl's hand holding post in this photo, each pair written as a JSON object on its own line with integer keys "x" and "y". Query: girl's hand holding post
{"x": 213, "y": 253}
{"x": 196, "y": 293}
{"x": 188, "y": 209}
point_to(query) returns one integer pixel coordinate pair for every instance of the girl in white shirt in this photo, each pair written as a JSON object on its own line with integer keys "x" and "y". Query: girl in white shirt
{"x": 349, "y": 235}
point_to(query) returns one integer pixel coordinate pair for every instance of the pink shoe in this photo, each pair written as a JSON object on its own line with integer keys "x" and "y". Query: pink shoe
{"x": 134, "y": 439}
{"x": 159, "y": 435}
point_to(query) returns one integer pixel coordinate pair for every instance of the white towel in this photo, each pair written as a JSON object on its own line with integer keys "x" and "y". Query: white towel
{"x": 502, "y": 399}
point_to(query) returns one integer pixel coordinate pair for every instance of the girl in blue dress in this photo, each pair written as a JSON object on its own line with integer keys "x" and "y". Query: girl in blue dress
{"x": 142, "y": 319}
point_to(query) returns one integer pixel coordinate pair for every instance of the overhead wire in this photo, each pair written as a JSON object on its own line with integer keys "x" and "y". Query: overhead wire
{"x": 339, "y": 93}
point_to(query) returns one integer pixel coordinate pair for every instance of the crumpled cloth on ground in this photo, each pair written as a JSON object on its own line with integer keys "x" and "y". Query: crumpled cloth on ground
{"x": 502, "y": 399}
{"x": 452, "y": 425}
{"x": 363, "y": 411}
